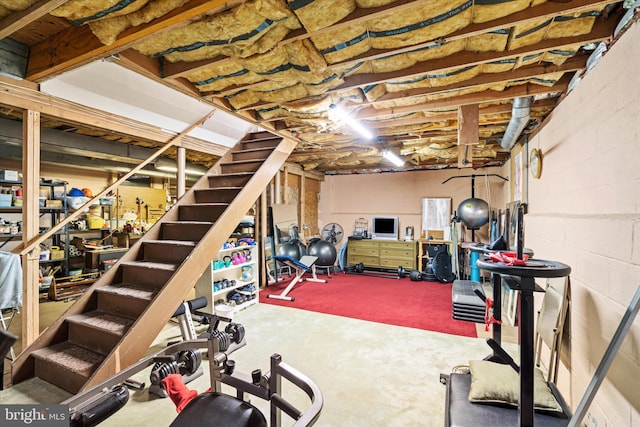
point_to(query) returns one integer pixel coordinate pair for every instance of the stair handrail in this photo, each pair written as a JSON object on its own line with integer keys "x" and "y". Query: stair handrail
{"x": 23, "y": 249}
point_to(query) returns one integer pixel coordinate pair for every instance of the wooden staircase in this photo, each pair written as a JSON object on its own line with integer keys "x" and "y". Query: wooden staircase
{"x": 116, "y": 320}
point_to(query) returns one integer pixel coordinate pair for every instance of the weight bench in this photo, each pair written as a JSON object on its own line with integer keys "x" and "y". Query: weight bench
{"x": 304, "y": 265}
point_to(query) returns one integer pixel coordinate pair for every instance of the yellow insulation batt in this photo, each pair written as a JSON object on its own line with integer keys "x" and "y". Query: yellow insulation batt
{"x": 80, "y": 11}
{"x": 107, "y": 29}
{"x": 425, "y": 22}
{"x": 484, "y": 11}
{"x": 499, "y": 66}
{"x": 7, "y": 7}
{"x": 529, "y": 33}
{"x": 559, "y": 56}
{"x": 221, "y": 76}
{"x": 437, "y": 50}
{"x": 318, "y": 14}
{"x": 572, "y": 25}
{"x": 392, "y": 63}
{"x": 562, "y": 26}
{"x": 253, "y": 27}
{"x": 345, "y": 44}
{"x": 373, "y": 3}
{"x": 494, "y": 41}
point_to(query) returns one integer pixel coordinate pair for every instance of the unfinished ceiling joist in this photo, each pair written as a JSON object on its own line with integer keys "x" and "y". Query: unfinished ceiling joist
{"x": 401, "y": 67}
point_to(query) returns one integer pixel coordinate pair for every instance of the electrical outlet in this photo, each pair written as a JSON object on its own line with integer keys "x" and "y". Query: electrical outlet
{"x": 590, "y": 421}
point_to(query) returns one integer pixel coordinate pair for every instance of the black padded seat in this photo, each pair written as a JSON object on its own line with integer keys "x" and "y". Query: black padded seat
{"x": 216, "y": 409}
{"x": 462, "y": 413}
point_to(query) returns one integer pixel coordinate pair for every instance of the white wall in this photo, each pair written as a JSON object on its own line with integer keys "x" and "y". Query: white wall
{"x": 345, "y": 198}
{"x": 585, "y": 211}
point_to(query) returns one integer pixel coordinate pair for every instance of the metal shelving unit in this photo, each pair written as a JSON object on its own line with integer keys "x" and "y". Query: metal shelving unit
{"x": 54, "y": 214}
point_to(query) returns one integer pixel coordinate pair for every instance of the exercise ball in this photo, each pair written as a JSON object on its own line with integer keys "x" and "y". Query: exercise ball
{"x": 325, "y": 252}
{"x": 474, "y": 213}
{"x": 312, "y": 241}
{"x": 292, "y": 249}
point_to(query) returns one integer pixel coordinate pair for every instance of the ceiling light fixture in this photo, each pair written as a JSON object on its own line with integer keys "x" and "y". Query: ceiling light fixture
{"x": 338, "y": 115}
{"x": 393, "y": 158}
{"x": 188, "y": 171}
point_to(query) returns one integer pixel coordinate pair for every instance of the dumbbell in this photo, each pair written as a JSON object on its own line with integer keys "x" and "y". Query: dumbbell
{"x": 233, "y": 333}
{"x": 187, "y": 362}
{"x": 402, "y": 273}
{"x": 415, "y": 276}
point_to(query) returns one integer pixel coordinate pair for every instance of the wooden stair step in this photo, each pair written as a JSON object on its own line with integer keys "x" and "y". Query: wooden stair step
{"x": 66, "y": 365}
{"x": 124, "y": 299}
{"x": 185, "y": 230}
{"x": 259, "y": 136}
{"x": 252, "y": 154}
{"x": 167, "y": 251}
{"x": 97, "y": 330}
{"x": 147, "y": 274}
{"x": 217, "y": 195}
{"x": 269, "y": 143}
{"x": 229, "y": 180}
{"x": 241, "y": 166}
{"x": 201, "y": 211}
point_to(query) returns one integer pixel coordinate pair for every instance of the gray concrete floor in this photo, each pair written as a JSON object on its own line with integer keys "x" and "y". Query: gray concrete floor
{"x": 370, "y": 374}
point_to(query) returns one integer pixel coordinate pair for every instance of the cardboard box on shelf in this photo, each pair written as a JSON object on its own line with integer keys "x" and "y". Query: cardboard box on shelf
{"x": 8, "y": 175}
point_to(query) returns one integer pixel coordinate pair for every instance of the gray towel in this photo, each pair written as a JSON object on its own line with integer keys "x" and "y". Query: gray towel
{"x": 10, "y": 280}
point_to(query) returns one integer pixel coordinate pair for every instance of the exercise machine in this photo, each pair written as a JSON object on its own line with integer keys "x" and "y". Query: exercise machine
{"x": 521, "y": 275}
{"x": 212, "y": 407}
{"x": 300, "y": 267}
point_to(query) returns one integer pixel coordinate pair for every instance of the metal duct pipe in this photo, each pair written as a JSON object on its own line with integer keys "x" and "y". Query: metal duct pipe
{"x": 520, "y": 114}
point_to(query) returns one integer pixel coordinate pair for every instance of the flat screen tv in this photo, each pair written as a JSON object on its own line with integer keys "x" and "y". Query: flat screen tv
{"x": 384, "y": 227}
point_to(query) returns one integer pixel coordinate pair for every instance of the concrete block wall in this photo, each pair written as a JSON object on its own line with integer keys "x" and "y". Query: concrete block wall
{"x": 585, "y": 211}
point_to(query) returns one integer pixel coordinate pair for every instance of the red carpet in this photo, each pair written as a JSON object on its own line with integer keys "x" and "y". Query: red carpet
{"x": 401, "y": 302}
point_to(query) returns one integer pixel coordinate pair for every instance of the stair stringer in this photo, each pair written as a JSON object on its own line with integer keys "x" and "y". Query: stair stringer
{"x": 145, "y": 329}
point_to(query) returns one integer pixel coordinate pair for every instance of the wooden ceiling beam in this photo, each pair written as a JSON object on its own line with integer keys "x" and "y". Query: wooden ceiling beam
{"x": 461, "y": 60}
{"x": 77, "y": 46}
{"x": 602, "y": 30}
{"x": 435, "y": 117}
{"x": 472, "y": 98}
{"x": 15, "y": 21}
{"x": 544, "y": 11}
{"x": 182, "y": 68}
{"x": 572, "y": 64}
{"x": 468, "y": 59}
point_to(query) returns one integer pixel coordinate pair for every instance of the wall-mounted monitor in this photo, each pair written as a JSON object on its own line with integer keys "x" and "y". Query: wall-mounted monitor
{"x": 384, "y": 227}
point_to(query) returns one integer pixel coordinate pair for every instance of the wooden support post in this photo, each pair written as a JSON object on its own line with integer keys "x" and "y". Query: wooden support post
{"x": 302, "y": 204}
{"x": 262, "y": 237}
{"x": 30, "y": 225}
{"x": 285, "y": 186}
{"x": 272, "y": 193}
{"x": 182, "y": 170}
{"x": 278, "y": 193}
{"x": 468, "y": 119}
